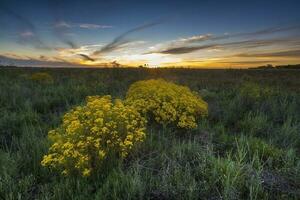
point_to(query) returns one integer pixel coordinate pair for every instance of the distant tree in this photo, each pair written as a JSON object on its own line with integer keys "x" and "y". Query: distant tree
{"x": 115, "y": 64}
{"x": 297, "y": 66}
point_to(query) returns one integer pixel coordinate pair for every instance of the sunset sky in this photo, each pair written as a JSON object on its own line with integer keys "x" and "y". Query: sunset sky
{"x": 204, "y": 34}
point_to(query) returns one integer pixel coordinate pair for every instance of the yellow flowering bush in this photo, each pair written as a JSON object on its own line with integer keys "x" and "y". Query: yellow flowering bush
{"x": 90, "y": 134}
{"x": 42, "y": 77}
{"x": 167, "y": 102}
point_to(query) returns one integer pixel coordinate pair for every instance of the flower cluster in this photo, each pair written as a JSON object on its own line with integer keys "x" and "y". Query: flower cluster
{"x": 167, "y": 102}
{"x": 42, "y": 77}
{"x": 92, "y": 133}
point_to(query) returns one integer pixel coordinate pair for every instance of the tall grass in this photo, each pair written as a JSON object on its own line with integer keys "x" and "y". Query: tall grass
{"x": 248, "y": 148}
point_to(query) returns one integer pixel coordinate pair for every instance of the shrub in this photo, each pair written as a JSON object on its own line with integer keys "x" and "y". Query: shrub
{"x": 92, "y": 134}
{"x": 167, "y": 102}
{"x": 42, "y": 77}
{"x": 250, "y": 90}
{"x": 253, "y": 91}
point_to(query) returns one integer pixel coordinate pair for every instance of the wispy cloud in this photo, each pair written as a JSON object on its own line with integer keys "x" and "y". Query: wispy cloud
{"x": 122, "y": 39}
{"x": 289, "y": 53}
{"x": 195, "y": 38}
{"x": 86, "y": 57}
{"x": 44, "y": 61}
{"x": 94, "y": 26}
{"x": 28, "y": 34}
{"x": 262, "y": 32}
{"x": 247, "y": 62}
{"x": 228, "y": 62}
{"x": 60, "y": 30}
{"x": 35, "y": 62}
{"x": 61, "y": 27}
{"x": 184, "y": 49}
{"x": 268, "y": 31}
{"x": 82, "y": 51}
{"x": 63, "y": 24}
{"x": 255, "y": 43}
{"x": 247, "y": 40}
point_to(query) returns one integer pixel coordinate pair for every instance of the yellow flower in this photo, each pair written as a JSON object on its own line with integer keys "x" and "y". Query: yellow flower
{"x": 167, "y": 103}
{"x": 86, "y": 172}
{"x": 91, "y": 132}
{"x": 65, "y": 172}
{"x": 102, "y": 154}
{"x": 42, "y": 77}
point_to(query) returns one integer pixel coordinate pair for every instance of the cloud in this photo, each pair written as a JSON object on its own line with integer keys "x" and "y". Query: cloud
{"x": 248, "y": 62}
{"x": 228, "y": 62}
{"x": 254, "y": 43}
{"x": 211, "y": 37}
{"x": 60, "y": 26}
{"x": 50, "y": 62}
{"x": 94, "y": 26}
{"x": 63, "y": 24}
{"x": 191, "y": 44}
{"x": 84, "y": 50}
{"x": 27, "y": 34}
{"x": 42, "y": 57}
{"x": 32, "y": 62}
{"x": 60, "y": 30}
{"x": 271, "y": 30}
{"x": 121, "y": 40}
{"x": 267, "y": 31}
{"x": 27, "y": 30}
{"x": 184, "y": 49}
{"x": 181, "y": 42}
{"x": 196, "y": 38}
{"x": 86, "y": 57}
{"x": 289, "y": 53}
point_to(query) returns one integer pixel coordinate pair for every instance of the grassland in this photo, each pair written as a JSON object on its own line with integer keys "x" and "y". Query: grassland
{"x": 247, "y": 148}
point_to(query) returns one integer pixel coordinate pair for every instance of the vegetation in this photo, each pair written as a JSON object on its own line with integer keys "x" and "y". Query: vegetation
{"x": 269, "y": 66}
{"x": 246, "y": 148}
{"x": 92, "y": 134}
{"x": 167, "y": 103}
{"x": 42, "y": 77}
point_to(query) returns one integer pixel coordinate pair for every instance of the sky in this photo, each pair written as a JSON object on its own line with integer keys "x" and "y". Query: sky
{"x": 177, "y": 33}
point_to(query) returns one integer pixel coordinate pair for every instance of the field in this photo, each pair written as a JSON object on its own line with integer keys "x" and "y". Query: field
{"x": 247, "y": 148}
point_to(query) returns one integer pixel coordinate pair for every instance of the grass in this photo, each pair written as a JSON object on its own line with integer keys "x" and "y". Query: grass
{"x": 247, "y": 148}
